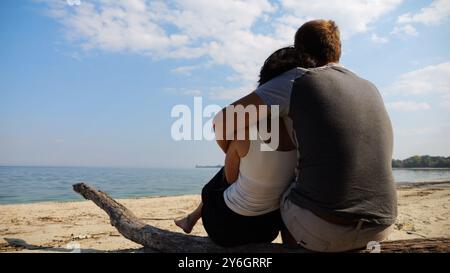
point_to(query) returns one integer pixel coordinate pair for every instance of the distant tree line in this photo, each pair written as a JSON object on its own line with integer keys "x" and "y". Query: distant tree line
{"x": 424, "y": 161}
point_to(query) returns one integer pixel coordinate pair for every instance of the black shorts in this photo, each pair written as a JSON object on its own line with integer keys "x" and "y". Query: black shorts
{"x": 227, "y": 228}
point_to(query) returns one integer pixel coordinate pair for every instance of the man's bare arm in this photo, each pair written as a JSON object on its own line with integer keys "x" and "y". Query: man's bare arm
{"x": 220, "y": 120}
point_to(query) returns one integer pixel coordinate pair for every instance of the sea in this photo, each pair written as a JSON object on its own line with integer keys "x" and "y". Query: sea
{"x": 30, "y": 184}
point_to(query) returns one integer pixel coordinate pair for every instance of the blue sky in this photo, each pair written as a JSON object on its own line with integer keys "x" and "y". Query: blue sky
{"x": 92, "y": 83}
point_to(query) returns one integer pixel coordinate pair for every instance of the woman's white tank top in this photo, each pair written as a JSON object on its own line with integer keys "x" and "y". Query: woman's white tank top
{"x": 263, "y": 178}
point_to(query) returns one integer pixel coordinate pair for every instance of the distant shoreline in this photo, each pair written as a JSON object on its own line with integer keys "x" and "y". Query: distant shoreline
{"x": 422, "y": 161}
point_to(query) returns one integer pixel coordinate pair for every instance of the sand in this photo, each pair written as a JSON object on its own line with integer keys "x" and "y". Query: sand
{"x": 424, "y": 211}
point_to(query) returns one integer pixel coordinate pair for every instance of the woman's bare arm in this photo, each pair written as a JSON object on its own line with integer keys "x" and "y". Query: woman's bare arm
{"x": 219, "y": 124}
{"x": 232, "y": 161}
{"x": 237, "y": 150}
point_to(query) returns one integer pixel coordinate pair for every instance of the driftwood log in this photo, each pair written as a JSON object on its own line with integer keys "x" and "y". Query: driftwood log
{"x": 132, "y": 228}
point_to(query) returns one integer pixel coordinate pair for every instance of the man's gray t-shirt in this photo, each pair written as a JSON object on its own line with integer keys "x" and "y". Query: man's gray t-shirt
{"x": 344, "y": 139}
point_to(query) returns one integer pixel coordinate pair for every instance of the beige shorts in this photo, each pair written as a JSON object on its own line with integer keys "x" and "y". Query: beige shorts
{"x": 316, "y": 234}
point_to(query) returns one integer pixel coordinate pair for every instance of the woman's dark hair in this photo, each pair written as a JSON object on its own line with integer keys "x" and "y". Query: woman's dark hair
{"x": 280, "y": 61}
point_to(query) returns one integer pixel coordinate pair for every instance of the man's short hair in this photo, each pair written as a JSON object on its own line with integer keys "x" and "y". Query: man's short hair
{"x": 319, "y": 41}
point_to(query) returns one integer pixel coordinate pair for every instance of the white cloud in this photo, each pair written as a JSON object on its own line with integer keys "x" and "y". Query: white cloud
{"x": 205, "y": 18}
{"x": 435, "y": 13}
{"x": 222, "y": 93}
{"x": 379, "y": 40}
{"x": 430, "y": 79}
{"x": 115, "y": 26}
{"x": 192, "y": 93}
{"x": 408, "y": 106}
{"x": 353, "y": 16}
{"x": 433, "y": 79}
{"x": 221, "y": 31}
{"x": 185, "y": 70}
{"x": 73, "y": 2}
{"x": 405, "y": 29}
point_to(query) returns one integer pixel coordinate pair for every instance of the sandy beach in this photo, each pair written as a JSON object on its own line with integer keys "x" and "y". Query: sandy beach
{"x": 424, "y": 211}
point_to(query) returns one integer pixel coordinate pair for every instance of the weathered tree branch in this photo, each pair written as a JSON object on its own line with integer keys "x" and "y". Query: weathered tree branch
{"x": 161, "y": 240}
{"x": 157, "y": 239}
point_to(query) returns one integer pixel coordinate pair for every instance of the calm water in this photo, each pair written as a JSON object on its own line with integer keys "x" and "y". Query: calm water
{"x": 36, "y": 184}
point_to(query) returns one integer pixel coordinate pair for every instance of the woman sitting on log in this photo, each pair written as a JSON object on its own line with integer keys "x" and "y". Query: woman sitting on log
{"x": 240, "y": 205}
